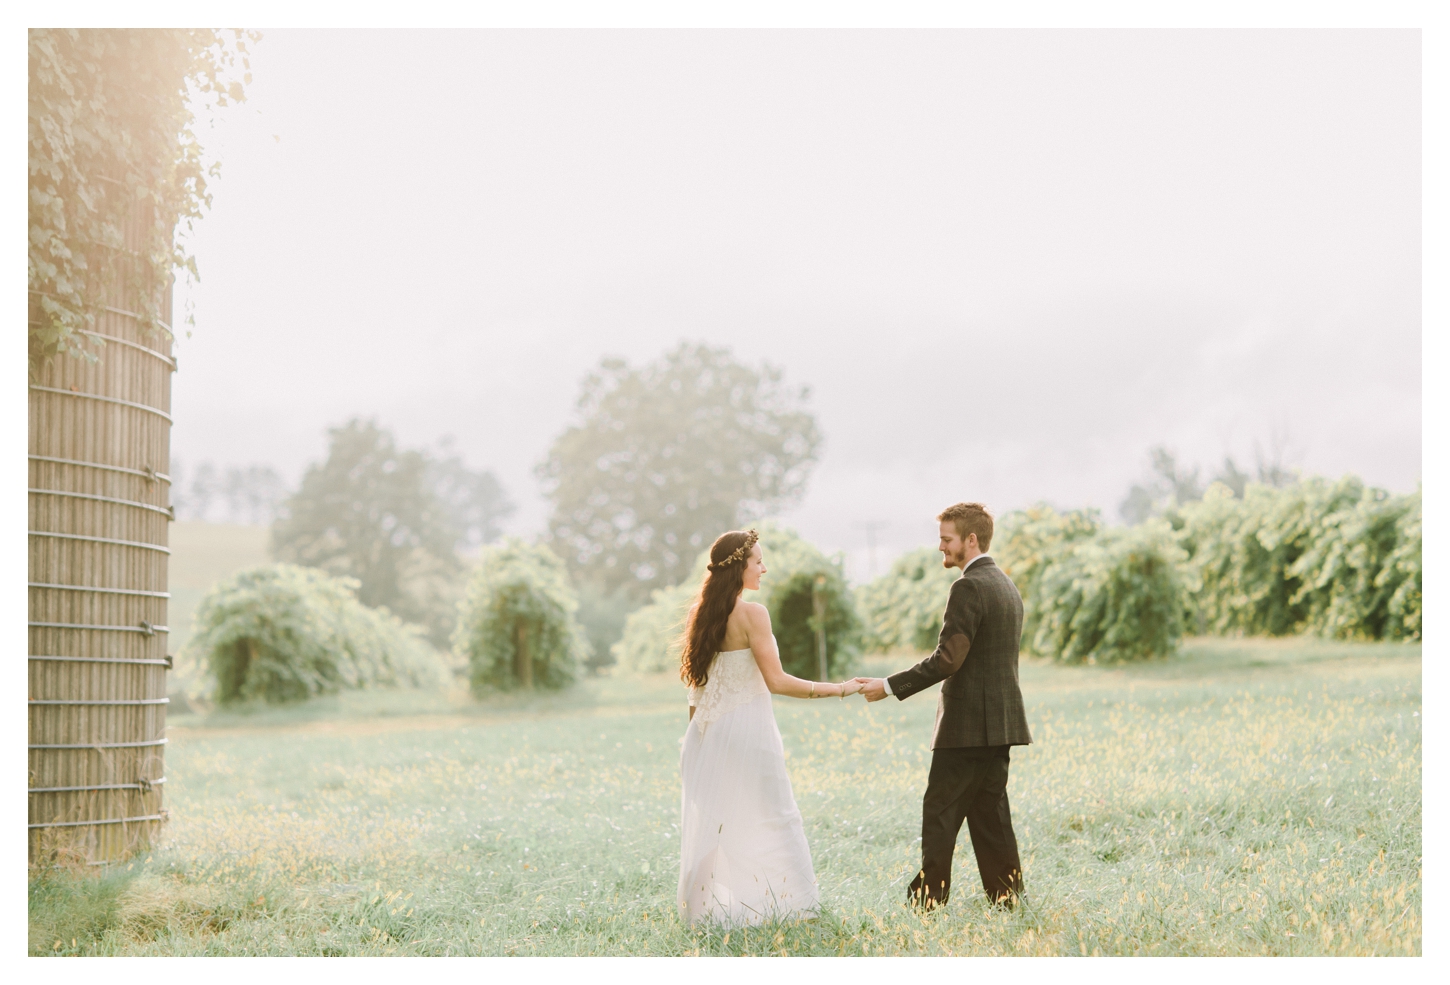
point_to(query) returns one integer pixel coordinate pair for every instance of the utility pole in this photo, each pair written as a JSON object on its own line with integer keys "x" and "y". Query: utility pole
{"x": 818, "y": 603}
{"x": 871, "y": 526}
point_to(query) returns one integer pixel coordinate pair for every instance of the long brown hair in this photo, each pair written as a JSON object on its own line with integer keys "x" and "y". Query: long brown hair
{"x": 705, "y": 627}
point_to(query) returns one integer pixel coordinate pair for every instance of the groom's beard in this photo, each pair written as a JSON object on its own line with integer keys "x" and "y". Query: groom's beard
{"x": 954, "y": 560}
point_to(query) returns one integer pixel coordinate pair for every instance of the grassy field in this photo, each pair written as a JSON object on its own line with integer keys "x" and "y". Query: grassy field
{"x": 1243, "y": 798}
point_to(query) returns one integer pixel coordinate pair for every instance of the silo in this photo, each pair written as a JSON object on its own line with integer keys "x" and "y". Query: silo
{"x": 100, "y": 439}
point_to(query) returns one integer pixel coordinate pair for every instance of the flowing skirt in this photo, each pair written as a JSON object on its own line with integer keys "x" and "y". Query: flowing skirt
{"x": 743, "y": 851}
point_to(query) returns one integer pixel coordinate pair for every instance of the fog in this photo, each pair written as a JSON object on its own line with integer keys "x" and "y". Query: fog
{"x": 1006, "y": 263}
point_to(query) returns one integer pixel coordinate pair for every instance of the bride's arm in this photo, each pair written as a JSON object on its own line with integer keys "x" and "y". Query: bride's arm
{"x": 767, "y": 658}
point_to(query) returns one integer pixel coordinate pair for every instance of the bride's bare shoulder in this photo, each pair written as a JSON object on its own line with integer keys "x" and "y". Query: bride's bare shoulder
{"x": 754, "y": 613}
{"x": 750, "y": 614}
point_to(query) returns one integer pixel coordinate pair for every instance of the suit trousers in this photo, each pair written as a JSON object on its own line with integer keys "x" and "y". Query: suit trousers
{"x": 967, "y": 784}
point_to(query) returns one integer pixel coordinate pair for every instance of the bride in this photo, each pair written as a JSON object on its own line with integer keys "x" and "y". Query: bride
{"x": 743, "y": 852}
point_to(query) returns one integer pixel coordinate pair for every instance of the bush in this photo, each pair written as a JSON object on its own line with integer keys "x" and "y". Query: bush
{"x": 902, "y": 609}
{"x": 1244, "y": 553}
{"x": 516, "y": 623}
{"x": 651, "y": 640}
{"x": 1025, "y": 542}
{"x": 795, "y": 570}
{"x": 651, "y": 634}
{"x": 280, "y": 632}
{"x": 1290, "y": 560}
{"x": 1402, "y": 569}
{"x": 1346, "y": 583}
{"x": 1117, "y": 595}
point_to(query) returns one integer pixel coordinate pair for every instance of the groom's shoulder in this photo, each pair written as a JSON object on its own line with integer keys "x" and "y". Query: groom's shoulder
{"x": 978, "y": 573}
{"x": 1000, "y": 581}
{"x": 966, "y": 587}
{"x": 986, "y": 575}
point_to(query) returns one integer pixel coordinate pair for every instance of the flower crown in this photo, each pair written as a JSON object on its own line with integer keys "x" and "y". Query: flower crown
{"x": 739, "y": 553}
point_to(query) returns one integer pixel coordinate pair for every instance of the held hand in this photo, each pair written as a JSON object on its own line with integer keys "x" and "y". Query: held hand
{"x": 849, "y": 688}
{"x": 874, "y": 688}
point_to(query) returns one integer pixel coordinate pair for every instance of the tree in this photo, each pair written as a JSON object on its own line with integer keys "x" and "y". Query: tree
{"x": 1170, "y": 485}
{"x": 516, "y": 625}
{"x": 368, "y": 512}
{"x": 1231, "y": 476}
{"x": 250, "y": 495}
{"x": 667, "y": 457}
{"x": 474, "y": 501}
{"x": 1272, "y": 466}
{"x": 281, "y": 633}
{"x": 111, "y": 131}
{"x": 1173, "y": 485}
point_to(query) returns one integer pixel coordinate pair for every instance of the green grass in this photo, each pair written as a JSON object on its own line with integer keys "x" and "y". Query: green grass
{"x": 1244, "y": 797}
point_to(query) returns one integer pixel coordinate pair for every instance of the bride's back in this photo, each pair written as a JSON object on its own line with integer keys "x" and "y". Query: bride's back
{"x": 737, "y": 628}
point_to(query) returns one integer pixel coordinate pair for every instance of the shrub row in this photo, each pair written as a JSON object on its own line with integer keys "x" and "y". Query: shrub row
{"x": 1337, "y": 559}
{"x": 1089, "y": 593}
{"x": 284, "y": 633}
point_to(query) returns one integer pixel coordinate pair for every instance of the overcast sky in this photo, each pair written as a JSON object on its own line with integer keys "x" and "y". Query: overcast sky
{"x": 1006, "y": 263}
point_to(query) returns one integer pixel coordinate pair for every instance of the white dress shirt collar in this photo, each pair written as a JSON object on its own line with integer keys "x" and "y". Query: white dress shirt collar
{"x": 974, "y": 561}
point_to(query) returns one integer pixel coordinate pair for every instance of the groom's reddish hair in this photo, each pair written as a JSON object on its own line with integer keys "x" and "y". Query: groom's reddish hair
{"x": 970, "y": 518}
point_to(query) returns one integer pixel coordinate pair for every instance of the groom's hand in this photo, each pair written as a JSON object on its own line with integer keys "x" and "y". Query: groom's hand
{"x": 873, "y": 688}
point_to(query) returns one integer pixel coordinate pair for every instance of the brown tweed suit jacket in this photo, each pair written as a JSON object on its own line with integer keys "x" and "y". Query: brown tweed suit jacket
{"x": 980, "y": 703}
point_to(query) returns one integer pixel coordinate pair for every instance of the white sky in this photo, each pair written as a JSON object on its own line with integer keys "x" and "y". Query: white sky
{"x": 1006, "y": 263}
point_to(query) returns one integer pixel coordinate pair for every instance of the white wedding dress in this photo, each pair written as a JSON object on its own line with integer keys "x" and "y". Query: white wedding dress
{"x": 743, "y": 851}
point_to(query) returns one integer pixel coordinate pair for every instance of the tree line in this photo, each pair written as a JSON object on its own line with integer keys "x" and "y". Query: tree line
{"x": 636, "y": 508}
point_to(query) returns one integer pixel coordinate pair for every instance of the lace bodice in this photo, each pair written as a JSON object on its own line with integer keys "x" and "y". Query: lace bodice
{"x": 734, "y": 679}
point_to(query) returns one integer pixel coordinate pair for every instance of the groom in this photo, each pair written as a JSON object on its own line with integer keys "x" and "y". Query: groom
{"x": 979, "y": 716}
